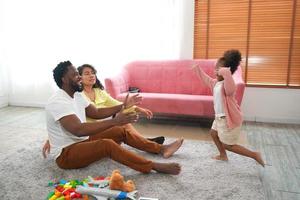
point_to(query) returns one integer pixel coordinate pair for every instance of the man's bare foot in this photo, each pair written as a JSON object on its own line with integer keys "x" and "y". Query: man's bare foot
{"x": 168, "y": 150}
{"x": 167, "y": 168}
{"x": 258, "y": 158}
{"x": 219, "y": 157}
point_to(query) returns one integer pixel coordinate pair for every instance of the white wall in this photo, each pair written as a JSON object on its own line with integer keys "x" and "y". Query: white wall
{"x": 3, "y": 72}
{"x": 36, "y": 39}
{"x": 3, "y": 95}
{"x": 271, "y": 105}
{"x": 187, "y": 37}
{"x": 3, "y": 87}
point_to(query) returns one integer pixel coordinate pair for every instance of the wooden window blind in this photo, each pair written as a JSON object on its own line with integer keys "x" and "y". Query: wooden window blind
{"x": 265, "y": 31}
{"x": 201, "y": 29}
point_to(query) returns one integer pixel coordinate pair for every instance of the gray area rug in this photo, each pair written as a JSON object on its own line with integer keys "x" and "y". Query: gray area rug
{"x": 24, "y": 174}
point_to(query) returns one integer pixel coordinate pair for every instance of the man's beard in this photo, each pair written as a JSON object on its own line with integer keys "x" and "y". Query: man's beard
{"x": 77, "y": 88}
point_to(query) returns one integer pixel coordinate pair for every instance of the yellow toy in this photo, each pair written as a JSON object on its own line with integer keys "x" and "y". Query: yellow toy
{"x": 117, "y": 182}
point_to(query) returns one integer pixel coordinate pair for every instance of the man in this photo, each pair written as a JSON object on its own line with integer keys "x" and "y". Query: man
{"x": 77, "y": 144}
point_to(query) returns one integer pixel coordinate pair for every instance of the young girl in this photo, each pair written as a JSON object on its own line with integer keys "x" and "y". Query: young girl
{"x": 226, "y": 127}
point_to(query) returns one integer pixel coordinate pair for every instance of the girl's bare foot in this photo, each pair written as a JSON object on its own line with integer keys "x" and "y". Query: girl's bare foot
{"x": 167, "y": 168}
{"x": 219, "y": 157}
{"x": 168, "y": 150}
{"x": 258, "y": 158}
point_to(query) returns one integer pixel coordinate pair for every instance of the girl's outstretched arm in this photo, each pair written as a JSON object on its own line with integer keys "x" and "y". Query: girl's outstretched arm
{"x": 229, "y": 83}
{"x": 208, "y": 81}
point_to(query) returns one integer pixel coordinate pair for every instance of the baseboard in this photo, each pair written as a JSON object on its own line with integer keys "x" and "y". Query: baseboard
{"x": 38, "y": 105}
{"x": 3, "y": 100}
{"x": 273, "y": 119}
{"x": 3, "y": 105}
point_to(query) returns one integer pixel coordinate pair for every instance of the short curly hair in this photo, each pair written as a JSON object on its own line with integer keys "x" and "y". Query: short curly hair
{"x": 232, "y": 59}
{"x": 59, "y": 71}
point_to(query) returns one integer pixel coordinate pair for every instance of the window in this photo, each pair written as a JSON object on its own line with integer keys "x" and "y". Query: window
{"x": 266, "y": 32}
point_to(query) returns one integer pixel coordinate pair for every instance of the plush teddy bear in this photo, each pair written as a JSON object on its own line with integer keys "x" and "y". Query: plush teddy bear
{"x": 117, "y": 182}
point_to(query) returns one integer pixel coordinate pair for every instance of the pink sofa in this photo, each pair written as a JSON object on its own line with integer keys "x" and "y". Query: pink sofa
{"x": 170, "y": 87}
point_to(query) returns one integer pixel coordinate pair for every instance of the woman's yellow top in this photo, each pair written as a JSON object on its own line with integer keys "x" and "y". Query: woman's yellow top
{"x": 104, "y": 100}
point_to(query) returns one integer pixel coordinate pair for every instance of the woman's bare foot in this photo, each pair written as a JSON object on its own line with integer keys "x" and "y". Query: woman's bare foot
{"x": 258, "y": 158}
{"x": 219, "y": 157}
{"x": 167, "y": 168}
{"x": 168, "y": 150}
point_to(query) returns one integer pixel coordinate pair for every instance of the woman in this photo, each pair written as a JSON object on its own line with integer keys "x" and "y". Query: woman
{"x": 94, "y": 92}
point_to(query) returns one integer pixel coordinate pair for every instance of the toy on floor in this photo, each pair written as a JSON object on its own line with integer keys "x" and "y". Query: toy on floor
{"x": 118, "y": 188}
{"x": 104, "y": 193}
{"x": 117, "y": 182}
{"x": 100, "y": 182}
{"x": 64, "y": 190}
{"x": 100, "y": 187}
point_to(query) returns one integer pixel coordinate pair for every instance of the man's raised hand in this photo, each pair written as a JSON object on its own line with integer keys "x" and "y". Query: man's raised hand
{"x": 126, "y": 118}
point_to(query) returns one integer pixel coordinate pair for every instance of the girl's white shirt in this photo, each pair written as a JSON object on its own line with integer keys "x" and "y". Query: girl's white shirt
{"x": 218, "y": 103}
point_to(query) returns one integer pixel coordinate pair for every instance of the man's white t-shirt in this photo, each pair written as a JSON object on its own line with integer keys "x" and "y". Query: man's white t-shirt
{"x": 58, "y": 106}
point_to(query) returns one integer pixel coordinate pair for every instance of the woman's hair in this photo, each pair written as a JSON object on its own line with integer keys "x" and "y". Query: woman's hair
{"x": 98, "y": 84}
{"x": 232, "y": 59}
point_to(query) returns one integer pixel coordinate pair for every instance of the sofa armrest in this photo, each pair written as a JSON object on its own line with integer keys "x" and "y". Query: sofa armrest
{"x": 117, "y": 85}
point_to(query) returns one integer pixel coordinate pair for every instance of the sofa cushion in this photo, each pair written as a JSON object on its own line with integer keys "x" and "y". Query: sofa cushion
{"x": 183, "y": 104}
{"x": 172, "y": 77}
